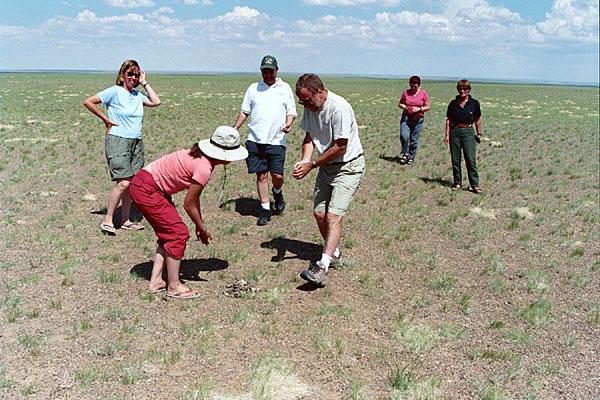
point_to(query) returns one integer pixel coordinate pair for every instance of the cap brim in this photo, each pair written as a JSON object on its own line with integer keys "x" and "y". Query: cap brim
{"x": 217, "y": 153}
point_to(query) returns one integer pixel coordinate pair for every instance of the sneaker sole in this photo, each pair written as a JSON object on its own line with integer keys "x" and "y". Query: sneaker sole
{"x": 304, "y": 275}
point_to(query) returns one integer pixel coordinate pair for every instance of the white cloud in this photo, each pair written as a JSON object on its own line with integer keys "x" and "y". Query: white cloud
{"x": 240, "y": 14}
{"x": 191, "y": 2}
{"x": 350, "y": 3}
{"x": 129, "y": 3}
{"x": 572, "y": 20}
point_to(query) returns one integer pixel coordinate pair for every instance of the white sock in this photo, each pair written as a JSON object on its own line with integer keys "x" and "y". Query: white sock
{"x": 277, "y": 190}
{"x": 266, "y": 206}
{"x": 325, "y": 260}
{"x": 337, "y": 252}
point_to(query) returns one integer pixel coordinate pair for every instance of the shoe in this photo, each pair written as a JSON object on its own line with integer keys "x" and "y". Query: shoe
{"x": 403, "y": 159}
{"x": 108, "y": 229}
{"x": 335, "y": 261}
{"x": 264, "y": 218}
{"x": 279, "y": 202}
{"x": 456, "y": 186}
{"x": 132, "y": 226}
{"x": 477, "y": 190}
{"x": 315, "y": 273}
{"x": 409, "y": 161}
{"x": 190, "y": 294}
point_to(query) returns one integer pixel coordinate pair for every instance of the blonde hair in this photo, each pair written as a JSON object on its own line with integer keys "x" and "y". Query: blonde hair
{"x": 124, "y": 67}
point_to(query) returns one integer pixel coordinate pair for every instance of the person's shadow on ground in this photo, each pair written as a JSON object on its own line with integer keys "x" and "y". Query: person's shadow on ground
{"x": 395, "y": 159}
{"x": 190, "y": 269}
{"x": 300, "y": 250}
{"x": 134, "y": 215}
{"x": 439, "y": 181}
{"x": 245, "y": 206}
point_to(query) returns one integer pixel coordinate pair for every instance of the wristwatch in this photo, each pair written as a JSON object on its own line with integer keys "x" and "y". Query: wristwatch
{"x": 313, "y": 164}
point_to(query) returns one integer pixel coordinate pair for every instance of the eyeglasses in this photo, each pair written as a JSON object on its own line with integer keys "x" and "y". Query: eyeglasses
{"x": 130, "y": 74}
{"x": 463, "y": 90}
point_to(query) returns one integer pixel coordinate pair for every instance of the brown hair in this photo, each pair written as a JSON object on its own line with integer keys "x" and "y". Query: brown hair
{"x": 310, "y": 82}
{"x": 414, "y": 79}
{"x": 124, "y": 67}
{"x": 195, "y": 151}
{"x": 463, "y": 84}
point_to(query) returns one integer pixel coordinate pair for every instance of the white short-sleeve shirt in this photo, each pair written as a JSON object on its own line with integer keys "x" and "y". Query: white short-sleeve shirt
{"x": 268, "y": 106}
{"x": 334, "y": 121}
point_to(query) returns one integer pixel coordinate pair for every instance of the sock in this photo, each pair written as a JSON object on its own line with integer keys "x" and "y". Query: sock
{"x": 266, "y": 206}
{"x": 337, "y": 252}
{"x": 325, "y": 260}
{"x": 277, "y": 191}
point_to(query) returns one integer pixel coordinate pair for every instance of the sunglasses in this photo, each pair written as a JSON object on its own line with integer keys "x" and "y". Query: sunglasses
{"x": 463, "y": 90}
{"x": 130, "y": 74}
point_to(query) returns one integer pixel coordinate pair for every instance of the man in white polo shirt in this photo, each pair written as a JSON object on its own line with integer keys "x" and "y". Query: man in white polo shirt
{"x": 331, "y": 127}
{"x": 271, "y": 104}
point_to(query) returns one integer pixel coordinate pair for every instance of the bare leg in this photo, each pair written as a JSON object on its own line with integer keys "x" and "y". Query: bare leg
{"x": 175, "y": 286}
{"x": 114, "y": 197}
{"x": 330, "y": 226}
{"x": 334, "y": 233}
{"x": 262, "y": 186}
{"x": 156, "y": 280}
{"x": 277, "y": 180}
{"x": 125, "y": 207}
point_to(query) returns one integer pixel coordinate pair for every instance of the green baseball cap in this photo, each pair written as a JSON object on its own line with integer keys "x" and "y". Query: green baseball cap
{"x": 268, "y": 62}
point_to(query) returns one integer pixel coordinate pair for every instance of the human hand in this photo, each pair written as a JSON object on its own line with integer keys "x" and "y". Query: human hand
{"x": 109, "y": 124}
{"x": 286, "y": 128}
{"x": 447, "y": 138}
{"x": 203, "y": 235}
{"x": 142, "y": 79}
{"x": 301, "y": 169}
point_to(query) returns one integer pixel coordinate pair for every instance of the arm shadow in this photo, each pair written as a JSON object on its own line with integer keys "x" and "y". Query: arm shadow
{"x": 300, "y": 250}
{"x": 190, "y": 269}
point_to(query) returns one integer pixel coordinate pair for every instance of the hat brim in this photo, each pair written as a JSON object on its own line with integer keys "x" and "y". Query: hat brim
{"x": 217, "y": 153}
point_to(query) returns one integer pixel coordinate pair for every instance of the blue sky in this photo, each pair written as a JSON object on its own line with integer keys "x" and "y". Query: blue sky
{"x": 551, "y": 40}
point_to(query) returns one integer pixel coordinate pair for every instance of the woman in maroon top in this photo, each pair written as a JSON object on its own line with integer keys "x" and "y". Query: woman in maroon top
{"x": 414, "y": 102}
{"x": 464, "y": 112}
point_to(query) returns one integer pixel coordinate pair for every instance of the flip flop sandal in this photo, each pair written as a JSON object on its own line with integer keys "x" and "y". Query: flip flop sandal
{"x": 132, "y": 226}
{"x": 159, "y": 290}
{"x": 455, "y": 186}
{"x": 190, "y": 294}
{"x": 108, "y": 229}
{"x": 477, "y": 190}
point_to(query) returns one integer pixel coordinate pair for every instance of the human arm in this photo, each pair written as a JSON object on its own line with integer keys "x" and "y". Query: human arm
{"x": 303, "y": 167}
{"x": 153, "y": 99}
{"x": 479, "y": 127}
{"x": 289, "y": 120}
{"x": 241, "y": 118}
{"x": 447, "y": 136}
{"x": 191, "y": 205}
{"x": 91, "y": 103}
{"x": 402, "y": 102}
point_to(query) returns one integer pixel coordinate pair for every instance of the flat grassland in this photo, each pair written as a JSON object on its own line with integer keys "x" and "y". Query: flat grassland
{"x": 441, "y": 294}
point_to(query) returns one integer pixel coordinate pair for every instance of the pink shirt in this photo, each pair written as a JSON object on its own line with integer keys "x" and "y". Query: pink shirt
{"x": 177, "y": 171}
{"x": 418, "y": 100}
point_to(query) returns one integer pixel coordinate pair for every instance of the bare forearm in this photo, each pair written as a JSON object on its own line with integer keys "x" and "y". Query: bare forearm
{"x": 241, "y": 118}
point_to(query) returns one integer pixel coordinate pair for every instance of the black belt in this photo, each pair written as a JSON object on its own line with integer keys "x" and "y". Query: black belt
{"x": 346, "y": 162}
{"x": 459, "y": 125}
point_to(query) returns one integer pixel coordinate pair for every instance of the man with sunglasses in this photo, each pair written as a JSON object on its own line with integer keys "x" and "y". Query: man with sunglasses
{"x": 331, "y": 128}
{"x": 273, "y": 110}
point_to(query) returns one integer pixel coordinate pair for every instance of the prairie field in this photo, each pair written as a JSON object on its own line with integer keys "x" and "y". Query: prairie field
{"x": 440, "y": 294}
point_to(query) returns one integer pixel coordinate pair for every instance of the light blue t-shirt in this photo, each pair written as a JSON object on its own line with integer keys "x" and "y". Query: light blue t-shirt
{"x": 124, "y": 108}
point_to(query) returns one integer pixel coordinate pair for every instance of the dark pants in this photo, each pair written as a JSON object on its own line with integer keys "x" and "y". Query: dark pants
{"x": 463, "y": 139}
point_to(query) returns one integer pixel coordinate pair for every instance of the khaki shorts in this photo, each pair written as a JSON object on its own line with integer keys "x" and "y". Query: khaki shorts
{"x": 125, "y": 157}
{"x": 336, "y": 185}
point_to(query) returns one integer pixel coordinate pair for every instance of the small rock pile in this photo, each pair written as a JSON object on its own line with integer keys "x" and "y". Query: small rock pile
{"x": 240, "y": 287}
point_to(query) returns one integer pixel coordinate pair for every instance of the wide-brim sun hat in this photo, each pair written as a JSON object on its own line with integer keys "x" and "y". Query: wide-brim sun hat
{"x": 224, "y": 145}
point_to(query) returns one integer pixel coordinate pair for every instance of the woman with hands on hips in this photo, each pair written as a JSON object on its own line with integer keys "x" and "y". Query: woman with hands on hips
{"x": 463, "y": 112}
{"x": 123, "y": 144}
{"x": 414, "y": 102}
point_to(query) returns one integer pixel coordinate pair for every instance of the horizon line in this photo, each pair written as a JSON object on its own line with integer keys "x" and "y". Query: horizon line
{"x": 354, "y": 75}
